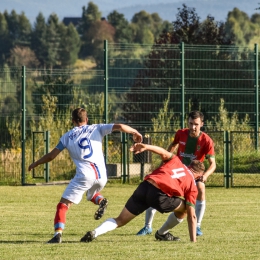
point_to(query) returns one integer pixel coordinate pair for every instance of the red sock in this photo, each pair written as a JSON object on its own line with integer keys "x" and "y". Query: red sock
{"x": 60, "y": 217}
{"x": 97, "y": 198}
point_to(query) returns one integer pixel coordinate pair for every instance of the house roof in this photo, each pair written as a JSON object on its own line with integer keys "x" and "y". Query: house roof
{"x": 74, "y": 20}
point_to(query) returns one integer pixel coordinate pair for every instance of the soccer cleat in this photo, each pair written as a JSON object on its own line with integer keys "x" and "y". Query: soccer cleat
{"x": 199, "y": 232}
{"x": 89, "y": 236}
{"x": 145, "y": 231}
{"x": 101, "y": 210}
{"x": 55, "y": 240}
{"x": 167, "y": 237}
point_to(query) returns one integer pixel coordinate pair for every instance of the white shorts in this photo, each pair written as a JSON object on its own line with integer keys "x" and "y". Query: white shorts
{"x": 80, "y": 184}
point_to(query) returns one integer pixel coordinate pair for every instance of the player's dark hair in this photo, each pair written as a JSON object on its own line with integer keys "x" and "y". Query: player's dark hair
{"x": 197, "y": 166}
{"x": 196, "y": 114}
{"x": 79, "y": 115}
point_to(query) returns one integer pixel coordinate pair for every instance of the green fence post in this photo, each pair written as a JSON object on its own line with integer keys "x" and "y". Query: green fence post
{"x": 226, "y": 158}
{"x": 182, "y": 87}
{"x": 23, "y": 122}
{"x": 256, "y": 97}
{"x": 47, "y": 145}
{"x": 105, "y": 96}
{"x": 124, "y": 153}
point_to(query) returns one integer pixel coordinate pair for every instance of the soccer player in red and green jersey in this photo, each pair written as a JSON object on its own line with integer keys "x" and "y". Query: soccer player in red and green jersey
{"x": 169, "y": 188}
{"x": 191, "y": 144}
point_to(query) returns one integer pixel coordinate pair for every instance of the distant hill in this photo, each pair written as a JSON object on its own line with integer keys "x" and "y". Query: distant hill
{"x": 167, "y": 9}
{"x": 217, "y": 8}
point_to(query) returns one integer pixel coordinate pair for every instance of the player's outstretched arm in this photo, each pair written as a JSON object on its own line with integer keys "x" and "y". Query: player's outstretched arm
{"x": 46, "y": 158}
{"x": 140, "y": 147}
{"x": 137, "y": 137}
{"x": 192, "y": 222}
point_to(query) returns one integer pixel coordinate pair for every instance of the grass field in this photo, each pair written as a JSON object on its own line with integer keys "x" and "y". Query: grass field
{"x": 231, "y": 227}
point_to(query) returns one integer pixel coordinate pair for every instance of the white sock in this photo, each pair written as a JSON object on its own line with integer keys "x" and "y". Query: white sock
{"x": 200, "y": 210}
{"x": 108, "y": 225}
{"x": 170, "y": 223}
{"x": 149, "y": 215}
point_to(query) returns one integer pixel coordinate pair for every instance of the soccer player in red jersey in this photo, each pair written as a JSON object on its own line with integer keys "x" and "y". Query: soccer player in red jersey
{"x": 169, "y": 188}
{"x": 191, "y": 144}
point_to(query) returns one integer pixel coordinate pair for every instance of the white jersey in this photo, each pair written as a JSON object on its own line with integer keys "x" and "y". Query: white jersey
{"x": 84, "y": 144}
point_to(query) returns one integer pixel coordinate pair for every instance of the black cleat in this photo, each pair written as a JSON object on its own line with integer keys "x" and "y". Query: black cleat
{"x": 90, "y": 236}
{"x": 167, "y": 237}
{"x": 101, "y": 210}
{"x": 56, "y": 239}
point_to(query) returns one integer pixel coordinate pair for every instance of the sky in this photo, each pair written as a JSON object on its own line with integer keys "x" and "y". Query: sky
{"x": 67, "y": 7}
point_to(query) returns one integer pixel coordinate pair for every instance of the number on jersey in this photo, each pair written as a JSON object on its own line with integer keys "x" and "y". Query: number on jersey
{"x": 178, "y": 173}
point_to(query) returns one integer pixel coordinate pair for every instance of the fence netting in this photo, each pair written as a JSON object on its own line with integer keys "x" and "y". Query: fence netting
{"x": 149, "y": 87}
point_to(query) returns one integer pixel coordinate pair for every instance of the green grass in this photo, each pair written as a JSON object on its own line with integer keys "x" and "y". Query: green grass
{"x": 230, "y": 226}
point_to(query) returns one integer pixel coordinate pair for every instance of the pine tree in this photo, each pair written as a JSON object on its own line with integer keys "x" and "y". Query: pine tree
{"x": 38, "y": 39}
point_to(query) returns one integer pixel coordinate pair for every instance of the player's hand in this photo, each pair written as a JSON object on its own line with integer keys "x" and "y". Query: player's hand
{"x": 33, "y": 165}
{"x": 137, "y": 137}
{"x": 137, "y": 148}
{"x": 203, "y": 178}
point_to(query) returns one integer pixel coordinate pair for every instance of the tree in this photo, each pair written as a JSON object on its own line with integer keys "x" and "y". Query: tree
{"x": 15, "y": 30}
{"x": 39, "y": 41}
{"x": 19, "y": 28}
{"x": 123, "y": 31}
{"x": 53, "y": 39}
{"x": 212, "y": 32}
{"x": 240, "y": 27}
{"x": 69, "y": 45}
{"x": 90, "y": 16}
{"x": 162, "y": 70}
{"x": 98, "y": 32}
{"x": 94, "y": 31}
{"x": 142, "y": 25}
{"x": 59, "y": 87}
{"x": 23, "y": 56}
{"x": 5, "y": 42}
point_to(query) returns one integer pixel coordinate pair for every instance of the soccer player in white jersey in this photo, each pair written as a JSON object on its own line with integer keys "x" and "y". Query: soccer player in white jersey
{"x": 84, "y": 144}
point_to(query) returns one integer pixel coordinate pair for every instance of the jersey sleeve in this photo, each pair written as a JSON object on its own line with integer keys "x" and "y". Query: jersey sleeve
{"x": 176, "y": 138}
{"x": 191, "y": 196}
{"x": 106, "y": 129}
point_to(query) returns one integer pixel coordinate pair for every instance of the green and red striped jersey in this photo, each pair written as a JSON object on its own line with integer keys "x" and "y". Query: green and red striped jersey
{"x": 193, "y": 148}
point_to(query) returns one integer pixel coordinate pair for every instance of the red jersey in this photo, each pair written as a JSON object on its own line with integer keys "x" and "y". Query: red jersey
{"x": 175, "y": 180}
{"x": 193, "y": 148}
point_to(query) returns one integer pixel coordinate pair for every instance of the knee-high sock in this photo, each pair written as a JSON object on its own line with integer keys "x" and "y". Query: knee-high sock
{"x": 60, "y": 217}
{"x": 149, "y": 215}
{"x": 108, "y": 225}
{"x": 170, "y": 223}
{"x": 97, "y": 198}
{"x": 200, "y": 210}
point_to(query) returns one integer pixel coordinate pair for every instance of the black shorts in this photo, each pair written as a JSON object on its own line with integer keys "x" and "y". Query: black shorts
{"x": 147, "y": 195}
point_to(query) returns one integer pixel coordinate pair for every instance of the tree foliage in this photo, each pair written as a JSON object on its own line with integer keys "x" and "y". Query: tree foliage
{"x": 122, "y": 27}
{"x": 23, "y": 56}
{"x": 161, "y": 68}
{"x": 51, "y": 40}
{"x": 240, "y": 27}
{"x": 58, "y": 86}
{"x": 39, "y": 41}
{"x": 69, "y": 45}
